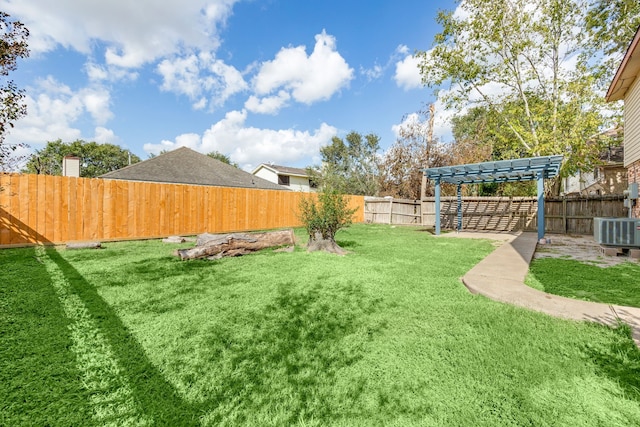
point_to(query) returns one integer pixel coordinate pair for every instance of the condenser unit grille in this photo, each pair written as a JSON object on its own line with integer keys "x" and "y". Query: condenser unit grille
{"x": 617, "y": 231}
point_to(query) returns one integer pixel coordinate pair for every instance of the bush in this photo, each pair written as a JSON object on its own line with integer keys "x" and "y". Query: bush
{"x": 325, "y": 214}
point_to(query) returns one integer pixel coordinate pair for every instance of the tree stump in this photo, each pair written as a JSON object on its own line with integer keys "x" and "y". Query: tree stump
{"x": 319, "y": 243}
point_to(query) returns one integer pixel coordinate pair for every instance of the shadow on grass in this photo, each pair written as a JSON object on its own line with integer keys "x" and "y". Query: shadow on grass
{"x": 157, "y": 397}
{"x": 39, "y": 379}
{"x": 287, "y": 363}
{"x": 348, "y": 243}
{"x": 620, "y": 362}
{"x": 293, "y": 357}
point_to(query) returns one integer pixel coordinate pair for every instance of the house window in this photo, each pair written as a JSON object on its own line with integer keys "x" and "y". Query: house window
{"x": 313, "y": 184}
{"x": 283, "y": 179}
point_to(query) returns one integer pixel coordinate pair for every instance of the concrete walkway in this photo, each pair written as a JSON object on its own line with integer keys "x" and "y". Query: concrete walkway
{"x": 500, "y": 276}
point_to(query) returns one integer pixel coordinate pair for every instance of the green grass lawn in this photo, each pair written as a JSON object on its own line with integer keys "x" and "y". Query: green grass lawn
{"x": 619, "y": 284}
{"x": 386, "y": 335}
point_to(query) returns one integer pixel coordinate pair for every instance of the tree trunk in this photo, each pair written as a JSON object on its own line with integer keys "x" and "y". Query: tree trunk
{"x": 219, "y": 245}
{"x": 318, "y": 243}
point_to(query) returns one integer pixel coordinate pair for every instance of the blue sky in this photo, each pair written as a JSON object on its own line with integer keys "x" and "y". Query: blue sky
{"x": 258, "y": 80}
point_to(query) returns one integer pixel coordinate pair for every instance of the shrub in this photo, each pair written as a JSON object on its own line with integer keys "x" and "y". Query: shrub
{"x": 325, "y": 214}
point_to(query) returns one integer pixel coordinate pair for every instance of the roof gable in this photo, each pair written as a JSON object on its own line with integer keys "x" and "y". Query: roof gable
{"x": 283, "y": 170}
{"x": 627, "y": 73}
{"x": 186, "y": 166}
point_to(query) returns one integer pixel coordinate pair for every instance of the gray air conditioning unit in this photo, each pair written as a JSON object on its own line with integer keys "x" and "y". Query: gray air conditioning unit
{"x": 617, "y": 231}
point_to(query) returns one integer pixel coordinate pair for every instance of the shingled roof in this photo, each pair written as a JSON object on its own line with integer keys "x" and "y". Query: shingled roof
{"x": 284, "y": 170}
{"x": 185, "y": 166}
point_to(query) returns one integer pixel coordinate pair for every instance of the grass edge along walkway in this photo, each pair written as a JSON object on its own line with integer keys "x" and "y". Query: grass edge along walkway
{"x": 111, "y": 396}
{"x": 501, "y": 276}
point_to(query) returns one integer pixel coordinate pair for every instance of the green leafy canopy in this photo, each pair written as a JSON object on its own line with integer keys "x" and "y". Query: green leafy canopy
{"x": 95, "y": 159}
{"x": 351, "y": 165}
{"x": 531, "y": 67}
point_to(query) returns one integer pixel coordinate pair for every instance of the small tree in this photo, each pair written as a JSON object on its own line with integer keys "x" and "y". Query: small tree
{"x": 323, "y": 216}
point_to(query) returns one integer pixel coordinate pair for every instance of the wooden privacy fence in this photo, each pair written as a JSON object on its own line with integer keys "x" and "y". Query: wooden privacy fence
{"x": 568, "y": 215}
{"x": 53, "y": 209}
{"x": 574, "y": 215}
{"x": 384, "y": 210}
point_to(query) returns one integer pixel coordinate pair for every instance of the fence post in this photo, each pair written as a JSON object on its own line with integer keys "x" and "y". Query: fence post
{"x": 391, "y": 210}
{"x": 564, "y": 214}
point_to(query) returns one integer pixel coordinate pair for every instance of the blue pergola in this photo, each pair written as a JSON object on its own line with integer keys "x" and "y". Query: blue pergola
{"x": 529, "y": 169}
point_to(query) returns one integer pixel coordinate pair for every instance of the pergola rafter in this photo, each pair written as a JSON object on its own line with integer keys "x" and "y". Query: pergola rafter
{"x": 527, "y": 169}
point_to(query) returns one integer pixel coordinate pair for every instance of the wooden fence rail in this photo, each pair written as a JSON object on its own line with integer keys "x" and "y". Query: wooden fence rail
{"x": 568, "y": 215}
{"x": 36, "y": 209}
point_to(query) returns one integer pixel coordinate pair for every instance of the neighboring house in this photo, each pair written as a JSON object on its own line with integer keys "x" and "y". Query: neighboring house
{"x": 610, "y": 177}
{"x": 626, "y": 86}
{"x": 294, "y": 178}
{"x": 185, "y": 166}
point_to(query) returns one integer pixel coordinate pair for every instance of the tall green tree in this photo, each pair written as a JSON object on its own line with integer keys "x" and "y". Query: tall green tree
{"x": 13, "y": 45}
{"x": 525, "y": 62}
{"x": 222, "y": 157}
{"x": 611, "y": 25}
{"x": 350, "y": 165}
{"x": 95, "y": 159}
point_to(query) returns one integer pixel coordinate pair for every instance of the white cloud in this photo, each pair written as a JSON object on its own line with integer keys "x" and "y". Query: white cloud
{"x": 402, "y": 49}
{"x": 130, "y": 32}
{"x": 308, "y": 79}
{"x": 269, "y": 104}
{"x": 201, "y": 76}
{"x": 200, "y": 104}
{"x": 373, "y": 73}
{"x": 377, "y": 71}
{"x": 181, "y": 75}
{"x": 407, "y": 74}
{"x": 191, "y": 140}
{"x": 99, "y": 73}
{"x": 97, "y": 102}
{"x": 250, "y": 146}
{"x": 53, "y": 109}
{"x": 105, "y": 136}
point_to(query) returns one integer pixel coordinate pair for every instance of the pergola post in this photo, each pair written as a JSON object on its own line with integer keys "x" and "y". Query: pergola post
{"x": 459, "y": 209}
{"x": 540, "y": 205}
{"x": 437, "y": 206}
